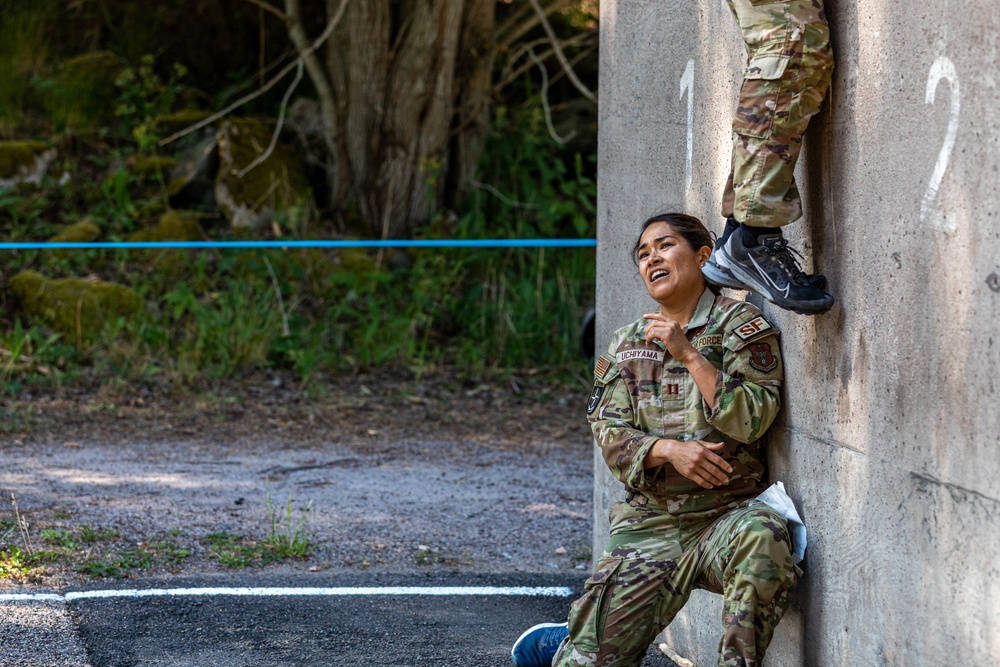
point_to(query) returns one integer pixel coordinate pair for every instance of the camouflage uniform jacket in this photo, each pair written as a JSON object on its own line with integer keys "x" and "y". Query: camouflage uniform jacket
{"x": 641, "y": 394}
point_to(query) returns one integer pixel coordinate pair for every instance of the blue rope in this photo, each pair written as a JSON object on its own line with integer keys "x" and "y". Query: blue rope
{"x": 446, "y": 243}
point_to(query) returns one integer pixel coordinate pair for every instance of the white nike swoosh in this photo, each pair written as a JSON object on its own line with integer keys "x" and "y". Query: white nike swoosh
{"x": 768, "y": 278}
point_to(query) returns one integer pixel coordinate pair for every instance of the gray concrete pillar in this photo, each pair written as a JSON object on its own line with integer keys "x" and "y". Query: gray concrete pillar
{"x": 890, "y": 436}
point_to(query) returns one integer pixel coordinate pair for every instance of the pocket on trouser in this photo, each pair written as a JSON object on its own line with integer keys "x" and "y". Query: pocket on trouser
{"x": 759, "y": 93}
{"x": 814, "y": 69}
{"x": 590, "y": 611}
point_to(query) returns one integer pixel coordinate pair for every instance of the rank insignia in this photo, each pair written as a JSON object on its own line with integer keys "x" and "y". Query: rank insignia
{"x": 762, "y": 358}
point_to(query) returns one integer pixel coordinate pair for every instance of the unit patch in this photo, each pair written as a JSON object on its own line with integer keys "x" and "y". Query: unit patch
{"x": 752, "y": 328}
{"x": 761, "y": 357}
{"x": 595, "y": 398}
{"x": 647, "y": 354}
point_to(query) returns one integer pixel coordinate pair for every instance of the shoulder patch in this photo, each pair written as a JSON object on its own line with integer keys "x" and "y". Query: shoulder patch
{"x": 752, "y": 329}
{"x": 761, "y": 357}
{"x": 595, "y": 398}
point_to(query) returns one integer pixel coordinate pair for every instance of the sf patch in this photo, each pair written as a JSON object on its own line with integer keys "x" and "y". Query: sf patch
{"x": 595, "y": 398}
{"x": 762, "y": 358}
{"x": 752, "y": 329}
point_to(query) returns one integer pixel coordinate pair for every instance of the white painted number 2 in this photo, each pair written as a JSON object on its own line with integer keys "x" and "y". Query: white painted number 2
{"x": 943, "y": 68}
{"x": 687, "y": 86}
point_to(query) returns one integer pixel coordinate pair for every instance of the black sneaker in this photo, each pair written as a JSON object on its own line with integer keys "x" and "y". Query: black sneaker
{"x": 771, "y": 270}
{"x": 720, "y": 275}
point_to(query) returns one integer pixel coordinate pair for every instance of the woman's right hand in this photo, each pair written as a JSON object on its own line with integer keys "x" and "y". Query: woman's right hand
{"x": 697, "y": 460}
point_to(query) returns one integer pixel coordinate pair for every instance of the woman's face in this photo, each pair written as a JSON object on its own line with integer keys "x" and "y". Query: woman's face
{"x": 669, "y": 266}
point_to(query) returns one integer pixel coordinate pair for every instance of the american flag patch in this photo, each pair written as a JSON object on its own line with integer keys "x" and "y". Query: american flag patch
{"x": 603, "y": 364}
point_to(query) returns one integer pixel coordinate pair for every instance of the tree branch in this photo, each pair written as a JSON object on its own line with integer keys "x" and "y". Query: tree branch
{"x": 268, "y": 7}
{"x": 511, "y": 30}
{"x": 586, "y": 92}
{"x": 510, "y": 73}
{"x": 545, "y": 101}
{"x": 277, "y": 130}
{"x": 304, "y": 55}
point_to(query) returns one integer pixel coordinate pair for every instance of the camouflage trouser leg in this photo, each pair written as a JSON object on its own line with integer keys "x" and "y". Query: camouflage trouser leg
{"x": 643, "y": 580}
{"x": 790, "y": 62}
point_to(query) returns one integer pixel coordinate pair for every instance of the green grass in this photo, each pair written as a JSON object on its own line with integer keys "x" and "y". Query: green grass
{"x": 212, "y": 314}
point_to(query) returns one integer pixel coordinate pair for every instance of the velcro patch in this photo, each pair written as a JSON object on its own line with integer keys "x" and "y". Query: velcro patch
{"x": 752, "y": 329}
{"x": 712, "y": 340}
{"x": 601, "y": 369}
{"x": 761, "y": 357}
{"x": 595, "y": 398}
{"x": 642, "y": 354}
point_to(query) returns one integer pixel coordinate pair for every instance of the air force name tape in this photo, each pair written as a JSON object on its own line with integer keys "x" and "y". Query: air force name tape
{"x": 752, "y": 329}
{"x": 645, "y": 354}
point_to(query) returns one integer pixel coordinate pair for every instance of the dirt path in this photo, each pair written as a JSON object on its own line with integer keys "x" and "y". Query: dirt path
{"x": 390, "y": 476}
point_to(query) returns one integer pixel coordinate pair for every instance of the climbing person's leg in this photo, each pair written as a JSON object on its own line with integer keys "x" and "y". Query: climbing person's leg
{"x": 790, "y": 62}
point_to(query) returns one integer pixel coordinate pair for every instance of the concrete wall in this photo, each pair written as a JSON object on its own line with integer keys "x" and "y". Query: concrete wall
{"x": 889, "y": 438}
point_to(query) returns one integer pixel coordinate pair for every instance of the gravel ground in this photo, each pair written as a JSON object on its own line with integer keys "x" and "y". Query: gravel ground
{"x": 402, "y": 507}
{"x": 396, "y": 478}
{"x": 406, "y": 476}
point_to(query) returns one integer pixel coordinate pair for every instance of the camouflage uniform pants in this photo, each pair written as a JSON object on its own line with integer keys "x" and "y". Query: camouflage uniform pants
{"x": 790, "y": 62}
{"x": 645, "y": 577}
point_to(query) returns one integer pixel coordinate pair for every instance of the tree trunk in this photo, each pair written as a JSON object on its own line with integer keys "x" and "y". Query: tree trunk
{"x": 410, "y": 81}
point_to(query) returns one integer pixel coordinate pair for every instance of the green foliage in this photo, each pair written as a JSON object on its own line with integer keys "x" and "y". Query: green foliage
{"x": 14, "y": 563}
{"x": 24, "y": 50}
{"x": 80, "y": 93}
{"x": 289, "y": 537}
{"x": 196, "y": 315}
{"x": 145, "y": 96}
{"x": 117, "y": 565}
{"x": 236, "y": 553}
{"x": 17, "y": 156}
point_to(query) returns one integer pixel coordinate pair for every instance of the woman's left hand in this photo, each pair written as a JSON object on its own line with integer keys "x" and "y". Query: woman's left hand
{"x": 668, "y": 332}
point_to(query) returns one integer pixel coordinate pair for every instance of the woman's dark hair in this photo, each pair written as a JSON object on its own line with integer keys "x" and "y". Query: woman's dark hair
{"x": 687, "y": 226}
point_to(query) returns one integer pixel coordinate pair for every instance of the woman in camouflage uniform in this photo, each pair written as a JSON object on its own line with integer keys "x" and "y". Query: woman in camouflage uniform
{"x": 680, "y": 403}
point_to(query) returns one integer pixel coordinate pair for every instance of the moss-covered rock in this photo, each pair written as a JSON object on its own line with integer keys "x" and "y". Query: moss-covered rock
{"x": 355, "y": 260}
{"x": 84, "y": 231}
{"x": 150, "y": 165}
{"x": 167, "y": 124}
{"x": 82, "y": 93}
{"x": 74, "y": 307}
{"x": 192, "y": 180}
{"x": 24, "y": 162}
{"x": 172, "y": 226}
{"x": 277, "y": 184}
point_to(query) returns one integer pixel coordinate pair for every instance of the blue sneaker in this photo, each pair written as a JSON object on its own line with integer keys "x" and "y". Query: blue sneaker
{"x": 538, "y": 645}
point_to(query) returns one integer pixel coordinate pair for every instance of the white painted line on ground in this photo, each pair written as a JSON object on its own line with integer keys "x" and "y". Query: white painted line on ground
{"x": 528, "y": 591}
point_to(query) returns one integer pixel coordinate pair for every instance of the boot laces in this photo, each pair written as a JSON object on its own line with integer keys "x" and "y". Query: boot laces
{"x": 787, "y": 258}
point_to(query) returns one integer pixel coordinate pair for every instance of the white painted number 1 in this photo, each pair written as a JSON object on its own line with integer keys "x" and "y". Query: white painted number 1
{"x": 687, "y": 86}
{"x": 943, "y": 68}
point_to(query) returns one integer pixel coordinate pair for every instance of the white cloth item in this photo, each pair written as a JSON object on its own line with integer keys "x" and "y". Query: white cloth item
{"x": 776, "y": 498}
